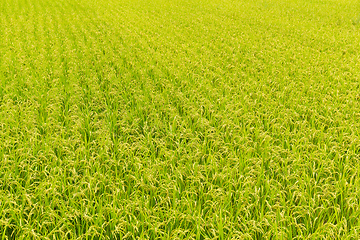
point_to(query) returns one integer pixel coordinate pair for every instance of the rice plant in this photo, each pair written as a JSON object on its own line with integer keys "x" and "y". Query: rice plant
{"x": 184, "y": 119}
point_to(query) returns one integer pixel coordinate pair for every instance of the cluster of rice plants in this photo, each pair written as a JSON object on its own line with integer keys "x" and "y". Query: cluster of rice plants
{"x": 181, "y": 119}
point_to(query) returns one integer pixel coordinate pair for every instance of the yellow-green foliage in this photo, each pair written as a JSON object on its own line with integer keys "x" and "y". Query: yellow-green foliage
{"x": 179, "y": 119}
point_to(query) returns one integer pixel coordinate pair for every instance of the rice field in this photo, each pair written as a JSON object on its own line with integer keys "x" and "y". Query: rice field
{"x": 181, "y": 119}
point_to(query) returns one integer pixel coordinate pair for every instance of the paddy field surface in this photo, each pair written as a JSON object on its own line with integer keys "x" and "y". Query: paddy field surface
{"x": 181, "y": 119}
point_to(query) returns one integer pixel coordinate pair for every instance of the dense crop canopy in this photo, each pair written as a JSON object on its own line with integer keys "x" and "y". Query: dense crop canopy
{"x": 179, "y": 119}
